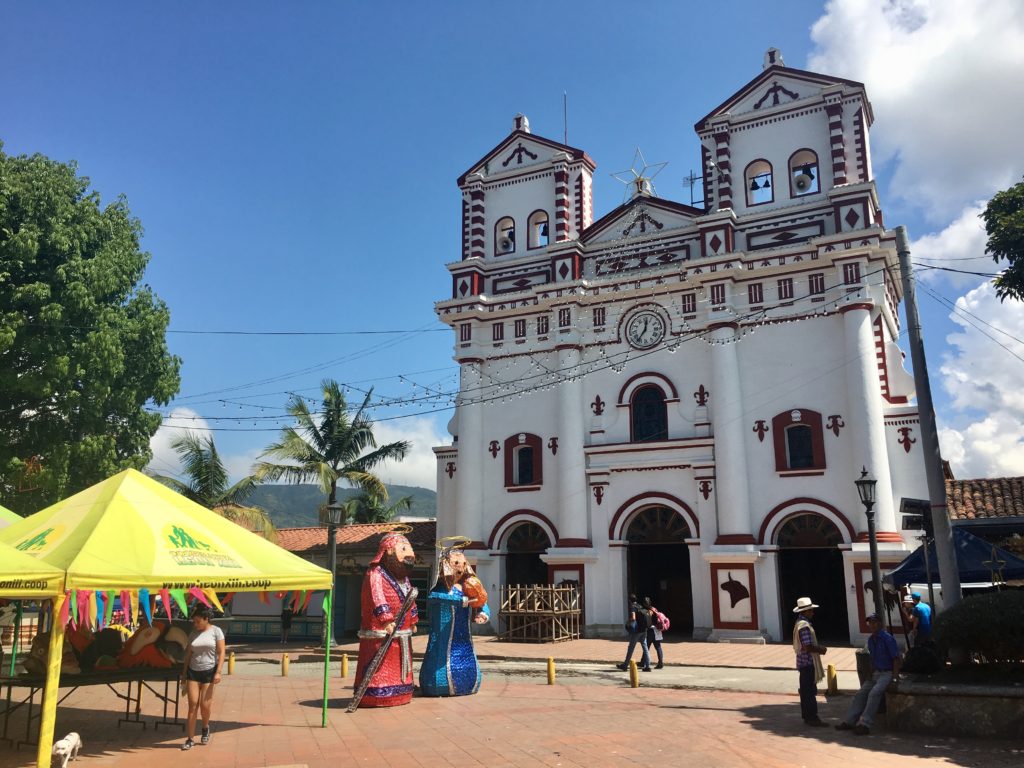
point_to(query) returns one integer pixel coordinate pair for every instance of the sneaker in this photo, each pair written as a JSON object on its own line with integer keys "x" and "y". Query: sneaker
{"x": 816, "y": 723}
{"x": 844, "y": 726}
{"x": 645, "y": 669}
{"x": 623, "y": 667}
{"x": 205, "y": 738}
{"x": 861, "y": 730}
{"x": 187, "y": 745}
{"x": 659, "y": 665}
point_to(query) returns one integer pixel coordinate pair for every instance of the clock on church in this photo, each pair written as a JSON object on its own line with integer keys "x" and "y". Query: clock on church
{"x": 645, "y": 329}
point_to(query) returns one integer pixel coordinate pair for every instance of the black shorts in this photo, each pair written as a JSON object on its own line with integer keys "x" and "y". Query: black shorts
{"x": 201, "y": 676}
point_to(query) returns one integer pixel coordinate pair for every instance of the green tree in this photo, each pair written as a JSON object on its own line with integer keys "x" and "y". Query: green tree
{"x": 82, "y": 342}
{"x": 1004, "y": 223}
{"x": 366, "y": 508}
{"x": 208, "y": 485}
{"x": 329, "y": 446}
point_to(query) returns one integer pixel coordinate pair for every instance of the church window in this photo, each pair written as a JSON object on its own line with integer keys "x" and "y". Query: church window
{"x": 523, "y": 461}
{"x": 689, "y": 303}
{"x": 816, "y": 283}
{"x": 851, "y": 273}
{"x": 755, "y": 294}
{"x": 758, "y": 181}
{"x": 564, "y": 317}
{"x": 599, "y": 316}
{"x": 465, "y": 332}
{"x": 786, "y": 289}
{"x": 542, "y": 325}
{"x": 803, "y": 173}
{"x": 717, "y": 295}
{"x": 648, "y": 414}
{"x": 520, "y": 329}
{"x": 799, "y": 442}
{"x": 537, "y": 230}
{"x": 504, "y": 236}
{"x": 497, "y": 331}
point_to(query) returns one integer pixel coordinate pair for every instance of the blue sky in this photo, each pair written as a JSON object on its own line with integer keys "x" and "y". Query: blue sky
{"x": 294, "y": 167}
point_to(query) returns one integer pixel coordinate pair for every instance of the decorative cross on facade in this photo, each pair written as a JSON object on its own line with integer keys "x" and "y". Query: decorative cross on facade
{"x": 761, "y": 428}
{"x": 704, "y": 486}
{"x": 494, "y": 448}
{"x": 702, "y": 395}
{"x": 835, "y": 423}
{"x": 553, "y": 445}
{"x": 598, "y": 494}
{"x": 905, "y": 439}
{"x": 450, "y": 469}
{"x": 597, "y": 406}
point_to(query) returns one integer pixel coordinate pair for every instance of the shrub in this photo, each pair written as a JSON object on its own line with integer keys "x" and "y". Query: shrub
{"x": 990, "y": 625}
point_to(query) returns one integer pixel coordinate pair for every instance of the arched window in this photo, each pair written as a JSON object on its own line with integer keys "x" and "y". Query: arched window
{"x": 799, "y": 442}
{"x": 524, "y": 467}
{"x": 759, "y": 183}
{"x": 537, "y": 230}
{"x": 648, "y": 414}
{"x": 803, "y": 173}
{"x": 504, "y": 236}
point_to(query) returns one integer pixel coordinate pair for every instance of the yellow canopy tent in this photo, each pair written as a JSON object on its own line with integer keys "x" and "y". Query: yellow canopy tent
{"x": 22, "y": 577}
{"x": 7, "y": 517}
{"x": 130, "y": 532}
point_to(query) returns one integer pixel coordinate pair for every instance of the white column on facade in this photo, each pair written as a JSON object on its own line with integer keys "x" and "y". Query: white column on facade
{"x": 570, "y": 461}
{"x": 730, "y": 454}
{"x": 469, "y": 465}
{"x": 866, "y": 419}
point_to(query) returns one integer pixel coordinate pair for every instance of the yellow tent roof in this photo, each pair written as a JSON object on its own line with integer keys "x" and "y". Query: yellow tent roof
{"x": 130, "y": 532}
{"x": 7, "y": 517}
{"x": 24, "y": 577}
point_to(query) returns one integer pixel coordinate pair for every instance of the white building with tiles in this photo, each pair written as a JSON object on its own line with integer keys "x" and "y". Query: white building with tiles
{"x": 676, "y": 400}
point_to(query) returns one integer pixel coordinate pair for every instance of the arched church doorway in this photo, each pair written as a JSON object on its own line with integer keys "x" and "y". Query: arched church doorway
{"x": 811, "y": 565}
{"x": 659, "y": 564}
{"x": 524, "y": 546}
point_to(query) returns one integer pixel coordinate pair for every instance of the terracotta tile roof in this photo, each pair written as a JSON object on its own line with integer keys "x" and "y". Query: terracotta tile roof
{"x": 354, "y": 538}
{"x": 984, "y": 498}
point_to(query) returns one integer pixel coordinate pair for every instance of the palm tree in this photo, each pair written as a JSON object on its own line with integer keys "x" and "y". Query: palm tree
{"x": 366, "y": 508}
{"x": 208, "y": 485}
{"x": 329, "y": 446}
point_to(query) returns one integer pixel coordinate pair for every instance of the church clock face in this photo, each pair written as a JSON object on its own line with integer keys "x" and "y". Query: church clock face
{"x": 645, "y": 329}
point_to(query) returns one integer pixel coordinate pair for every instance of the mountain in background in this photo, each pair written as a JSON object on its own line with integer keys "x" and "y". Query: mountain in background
{"x": 292, "y": 506}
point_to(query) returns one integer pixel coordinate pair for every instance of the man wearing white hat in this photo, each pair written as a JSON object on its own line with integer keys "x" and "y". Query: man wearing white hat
{"x": 808, "y": 661}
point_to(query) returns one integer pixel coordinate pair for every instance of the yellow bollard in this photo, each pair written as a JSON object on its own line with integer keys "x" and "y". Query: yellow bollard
{"x": 231, "y": 663}
{"x": 634, "y": 674}
{"x": 551, "y": 671}
{"x": 832, "y": 680}
{"x": 344, "y": 665}
{"x": 284, "y": 665}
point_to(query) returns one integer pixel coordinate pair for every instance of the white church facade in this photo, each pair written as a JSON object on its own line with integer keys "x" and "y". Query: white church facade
{"x": 675, "y": 400}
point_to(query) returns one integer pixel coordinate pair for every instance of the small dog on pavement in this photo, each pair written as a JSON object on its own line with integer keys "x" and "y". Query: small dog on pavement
{"x": 67, "y": 748}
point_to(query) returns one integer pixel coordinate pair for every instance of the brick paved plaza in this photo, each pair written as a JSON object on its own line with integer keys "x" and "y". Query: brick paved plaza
{"x": 263, "y": 719}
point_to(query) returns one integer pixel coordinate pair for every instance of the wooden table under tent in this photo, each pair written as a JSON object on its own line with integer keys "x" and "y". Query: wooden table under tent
{"x": 132, "y": 538}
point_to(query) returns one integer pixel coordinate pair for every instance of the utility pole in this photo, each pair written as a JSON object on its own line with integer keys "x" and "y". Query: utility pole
{"x": 949, "y": 574}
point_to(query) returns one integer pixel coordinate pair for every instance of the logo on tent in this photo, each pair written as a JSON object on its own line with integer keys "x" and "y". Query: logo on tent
{"x": 186, "y": 549}
{"x": 40, "y": 542}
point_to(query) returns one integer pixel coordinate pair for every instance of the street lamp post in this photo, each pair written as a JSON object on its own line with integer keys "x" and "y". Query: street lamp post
{"x": 866, "y": 491}
{"x": 332, "y": 516}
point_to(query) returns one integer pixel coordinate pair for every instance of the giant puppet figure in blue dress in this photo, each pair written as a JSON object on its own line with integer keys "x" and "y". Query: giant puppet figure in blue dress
{"x": 458, "y": 599}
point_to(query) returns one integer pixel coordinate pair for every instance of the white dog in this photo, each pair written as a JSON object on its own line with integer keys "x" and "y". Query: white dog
{"x": 67, "y": 748}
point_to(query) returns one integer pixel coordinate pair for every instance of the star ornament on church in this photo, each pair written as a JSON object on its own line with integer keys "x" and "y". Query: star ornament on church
{"x": 639, "y": 182}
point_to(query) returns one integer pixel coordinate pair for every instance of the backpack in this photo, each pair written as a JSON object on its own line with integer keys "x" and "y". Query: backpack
{"x": 643, "y": 618}
{"x": 661, "y": 622}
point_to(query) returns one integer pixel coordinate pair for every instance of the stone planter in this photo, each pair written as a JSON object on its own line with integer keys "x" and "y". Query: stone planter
{"x": 956, "y": 710}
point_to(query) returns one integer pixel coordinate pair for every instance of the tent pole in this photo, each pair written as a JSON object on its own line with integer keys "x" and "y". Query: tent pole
{"x": 328, "y": 614}
{"x": 14, "y": 640}
{"x": 48, "y": 713}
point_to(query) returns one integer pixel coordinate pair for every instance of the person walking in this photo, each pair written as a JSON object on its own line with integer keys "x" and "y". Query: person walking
{"x": 200, "y": 672}
{"x": 921, "y": 614}
{"x": 639, "y": 621}
{"x": 286, "y": 621}
{"x": 808, "y": 660}
{"x": 654, "y": 632}
{"x": 885, "y": 665}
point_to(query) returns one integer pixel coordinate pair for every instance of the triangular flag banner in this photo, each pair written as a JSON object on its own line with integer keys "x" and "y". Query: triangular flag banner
{"x": 65, "y": 608}
{"x": 265, "y": 598}
{"x": 199, "y": 595}
{"x": 73, "y": 599}
{"x": 144, "y": 604}
{"x": 181, "y": 600}
{"x": 101, "y": 609}
{"x": 108, "y": 614}
{"x": 125, "y": 607}
{"x": 309, "y": 596}
{"x": 227, "y": 598}
{"x": 280, "y": 595}
{"x": 297, "y": 599}
{"x": 165, "y": 598}
{"x": 212, "y": 597}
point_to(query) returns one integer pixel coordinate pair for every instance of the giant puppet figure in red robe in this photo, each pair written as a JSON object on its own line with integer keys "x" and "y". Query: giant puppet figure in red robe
{"x": 385, "y": 586}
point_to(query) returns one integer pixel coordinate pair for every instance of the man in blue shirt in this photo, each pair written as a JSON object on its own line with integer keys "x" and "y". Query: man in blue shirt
{"x": 885, "y": 665}
{"x": 922, "y": 617}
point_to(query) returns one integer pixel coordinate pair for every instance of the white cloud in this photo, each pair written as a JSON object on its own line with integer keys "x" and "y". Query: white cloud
{"x": 961, "y": 245}
{"x": 419, "y": 467}
{"x": 944, "y": 81}
{"x": 165, "y": 459}
{"x": 983, "y": 437}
